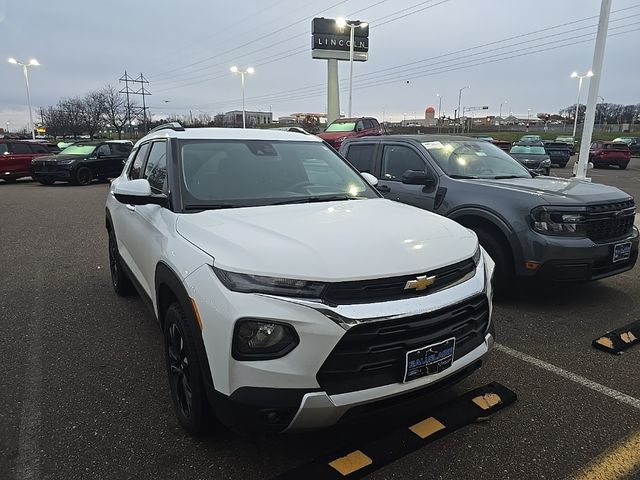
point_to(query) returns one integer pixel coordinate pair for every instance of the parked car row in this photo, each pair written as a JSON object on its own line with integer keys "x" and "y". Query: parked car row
{"x": 79, "y": 163}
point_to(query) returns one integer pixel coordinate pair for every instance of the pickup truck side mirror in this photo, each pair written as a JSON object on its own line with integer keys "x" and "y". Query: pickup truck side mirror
{"x": 371, "y": 180}
{"x": 417, "y": 177}
{"x": 137, "y": 192}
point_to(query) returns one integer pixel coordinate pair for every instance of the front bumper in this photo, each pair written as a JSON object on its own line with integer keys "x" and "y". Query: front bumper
{"x": 577, "y": 259}
{"x": 52, "y": 172}
{"x": 284, "y": 393}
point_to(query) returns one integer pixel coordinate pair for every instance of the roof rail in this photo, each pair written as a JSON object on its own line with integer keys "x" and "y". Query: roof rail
{"x": 168, "y": 126}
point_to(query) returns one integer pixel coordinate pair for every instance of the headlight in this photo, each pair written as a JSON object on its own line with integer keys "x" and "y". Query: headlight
{"x": 545, "y": 163}
{"x": 341, "y": 139}
{"x": 287, "y": 287}
{"x": 565, "y": 221}
{"x": 65, "y": 162}
{"x": 255, "y": 339}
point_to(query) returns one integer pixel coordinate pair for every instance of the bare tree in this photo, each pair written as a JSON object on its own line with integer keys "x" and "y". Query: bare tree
{"x": 92, "y": 112}
{"x": 72, "y": 114}
{"x": 115, "y": 108}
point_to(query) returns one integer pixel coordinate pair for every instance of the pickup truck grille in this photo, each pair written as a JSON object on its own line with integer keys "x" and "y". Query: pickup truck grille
{"x": 374, "y": 354}
{"x": 387, "y": 289}
{"x": 610, "y": 221}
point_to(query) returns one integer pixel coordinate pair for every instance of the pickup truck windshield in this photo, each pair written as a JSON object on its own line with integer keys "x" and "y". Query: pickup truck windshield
{"x": 474, "y": 159}
{"x": 240, "y": 173}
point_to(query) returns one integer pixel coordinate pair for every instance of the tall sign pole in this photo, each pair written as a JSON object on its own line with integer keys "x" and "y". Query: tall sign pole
{"x": 333, "y": 91}
{"x": 598, "y": 59}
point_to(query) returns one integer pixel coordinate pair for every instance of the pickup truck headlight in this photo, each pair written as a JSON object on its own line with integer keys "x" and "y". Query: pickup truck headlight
{"x": 545, "y": 163}
{"x": 258, "y": 339}
{"x": 562, "y": 221}
{"x": 286, "y": 287}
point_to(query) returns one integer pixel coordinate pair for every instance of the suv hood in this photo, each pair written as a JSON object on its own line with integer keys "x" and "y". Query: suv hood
{"x": 329, "y": 241}
{"x": 557, "y": 191}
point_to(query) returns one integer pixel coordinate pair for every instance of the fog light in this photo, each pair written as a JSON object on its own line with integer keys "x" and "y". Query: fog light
{"x": 262, "y": 340}
{"x": 531, "y": 265}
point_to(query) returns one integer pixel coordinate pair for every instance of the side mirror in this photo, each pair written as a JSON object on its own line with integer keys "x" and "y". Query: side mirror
{"x": 371, "y": 180}
{"x": 589, "y": 165}
{"x": 137, "y": 192}
{"x": 416, "y": 177}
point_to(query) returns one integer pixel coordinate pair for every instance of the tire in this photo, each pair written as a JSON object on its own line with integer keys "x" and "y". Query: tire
{"x": 120, "y": 282}
{"x": 563, "y": 165}
{"x": 83, "y": 176}
{"x": 623, "y": 167}
{"x": 45, "y": 181}
{"x": 10, "y": 180}
{"x": 499, "y": 251}
{"x": 185, "y": 374}
{"x": 547, "y": 172}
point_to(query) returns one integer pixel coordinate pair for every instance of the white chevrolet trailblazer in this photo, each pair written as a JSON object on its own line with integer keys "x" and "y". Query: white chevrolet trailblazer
{"x": 291, "y": 295}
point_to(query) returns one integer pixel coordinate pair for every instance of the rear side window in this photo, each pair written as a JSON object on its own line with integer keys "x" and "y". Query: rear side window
{"x": 39, "y": 148}
{"x": 368, "y": 123}
{"x": 121, "y": 149}
{"x": 20, "y": 148}
{"x": 361, "y": 156}
{"x": 156, "y": 170}
{"x": 3, "y": 148}
{"x": 136, "y": 167}
{"x": 375, "y": 123}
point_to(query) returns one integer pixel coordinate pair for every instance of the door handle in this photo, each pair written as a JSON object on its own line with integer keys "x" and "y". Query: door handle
{"x": 130, "y": 207}
{"x": 383, "y": 188}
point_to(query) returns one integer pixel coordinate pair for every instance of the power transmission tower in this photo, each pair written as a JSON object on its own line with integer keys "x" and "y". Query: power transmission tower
{"x": 142, "y": 90}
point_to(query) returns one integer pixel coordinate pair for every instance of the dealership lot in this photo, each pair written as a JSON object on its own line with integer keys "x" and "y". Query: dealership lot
{"x": 86, "y": 392}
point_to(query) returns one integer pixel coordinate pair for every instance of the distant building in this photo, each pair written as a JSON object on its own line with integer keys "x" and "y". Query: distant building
{"x": 253, "y": 119}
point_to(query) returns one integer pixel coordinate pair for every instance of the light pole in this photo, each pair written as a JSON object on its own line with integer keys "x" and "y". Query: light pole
{"x": 601, "y": 98}
{"x": 439, "y": 110}
{"x": 342, "y": 23}
{"x": 250, "y": 71}
{"x": 460, "y": 98}
{"x": 25, "y": 69}
{"x": 579, "y": 77}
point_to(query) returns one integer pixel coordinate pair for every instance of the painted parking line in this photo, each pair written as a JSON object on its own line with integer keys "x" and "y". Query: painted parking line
{"x": 621, "y": 461}
{"x": 580, "y": 380}
{"x": 387, "y": 446}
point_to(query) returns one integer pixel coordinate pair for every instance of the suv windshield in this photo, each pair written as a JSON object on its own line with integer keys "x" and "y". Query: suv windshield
{"x": 474, "y": 159}
{"x": 531, "y": 150}
{"x": 228, "y": 173}
{"x": 341, "y": 127}
{"x": 78, "y": 150}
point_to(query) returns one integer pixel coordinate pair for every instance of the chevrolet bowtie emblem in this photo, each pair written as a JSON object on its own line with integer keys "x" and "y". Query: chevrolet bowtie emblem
{"x": 420, "y": 283}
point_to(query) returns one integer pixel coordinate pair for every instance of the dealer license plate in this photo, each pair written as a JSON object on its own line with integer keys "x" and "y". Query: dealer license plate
{"x": 429, "y": 360}
{"x": 621, "y": 251}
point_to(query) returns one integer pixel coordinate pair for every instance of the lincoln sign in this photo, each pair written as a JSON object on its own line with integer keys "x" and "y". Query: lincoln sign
{"x": 331, "y": 42}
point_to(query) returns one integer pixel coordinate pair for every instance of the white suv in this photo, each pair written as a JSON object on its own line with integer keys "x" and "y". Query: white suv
{"x": 288, "y": 290}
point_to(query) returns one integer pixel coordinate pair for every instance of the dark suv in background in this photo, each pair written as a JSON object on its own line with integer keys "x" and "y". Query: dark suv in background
{"x": 81, "y": 162}
{"x": 16, "y": 156}
{"x": 559, "y": 152}
{"x": 343, "y": 128}
{"x": 532, "y": 226}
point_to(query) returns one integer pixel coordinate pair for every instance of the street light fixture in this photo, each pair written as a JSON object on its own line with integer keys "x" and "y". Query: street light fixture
{"x": 579, "y": 77}
{"x": 460, "y": 98}
{"x": 250, "y": 71}
{"x": 341, "y": 23}
{"x": 25, "y": 69}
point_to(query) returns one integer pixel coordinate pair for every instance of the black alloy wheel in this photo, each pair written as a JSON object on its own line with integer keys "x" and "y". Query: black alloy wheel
{"x": 185, "y": 374}
{"x": 84, "y": 176}
{"x": 119, "y": 280}
{"x": 45, "y": 181}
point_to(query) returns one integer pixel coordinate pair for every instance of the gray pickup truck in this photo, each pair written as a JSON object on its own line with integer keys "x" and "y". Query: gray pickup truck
{"x": 532, "y": 226}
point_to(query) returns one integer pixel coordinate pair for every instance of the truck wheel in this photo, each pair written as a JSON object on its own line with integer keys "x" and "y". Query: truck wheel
{"x": 185, "y": 375}
{"x": 623, "y": 167}
{"x": 84, "y": 176}
{"x": 120, "y": 282}
{"x": 499, "y": 250}
{"x": 10, "y": 180}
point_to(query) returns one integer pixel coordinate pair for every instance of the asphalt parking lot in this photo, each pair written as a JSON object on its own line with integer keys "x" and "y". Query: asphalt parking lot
{"x": 85, "y": 394}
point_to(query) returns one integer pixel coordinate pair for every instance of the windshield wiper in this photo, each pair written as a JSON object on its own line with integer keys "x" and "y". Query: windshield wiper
{"x": 314, "y": 199}
{"x": 504, "y": 177}
{"x": 213, "y": 206}
{"x": 463, "y": 176}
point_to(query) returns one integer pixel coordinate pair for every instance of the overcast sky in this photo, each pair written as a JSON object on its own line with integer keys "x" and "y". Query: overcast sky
{"x": 417, "y": 49}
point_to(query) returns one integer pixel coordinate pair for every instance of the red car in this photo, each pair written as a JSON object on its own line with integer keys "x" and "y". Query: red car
{"x": 16, "y": 156}
{"x": 610, "y": 153}
{"x": 343, "y": 128}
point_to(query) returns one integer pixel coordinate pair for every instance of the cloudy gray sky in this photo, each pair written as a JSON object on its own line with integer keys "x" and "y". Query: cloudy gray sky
{"x": 417, "y": 49}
